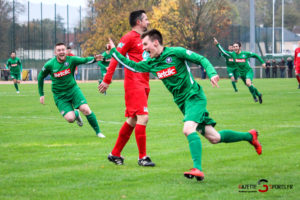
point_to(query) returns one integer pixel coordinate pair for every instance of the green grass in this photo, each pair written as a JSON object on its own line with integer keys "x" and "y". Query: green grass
{"x": 44, "y": 157}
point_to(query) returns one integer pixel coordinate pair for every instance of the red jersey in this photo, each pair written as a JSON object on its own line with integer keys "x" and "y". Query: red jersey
{"x": 130, "y": 46}
{"x": 297, "y": 57}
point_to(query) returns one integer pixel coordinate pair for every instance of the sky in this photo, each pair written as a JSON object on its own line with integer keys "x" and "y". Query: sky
{"x": 75, "y": 3}
{"x": 48, "y": 10}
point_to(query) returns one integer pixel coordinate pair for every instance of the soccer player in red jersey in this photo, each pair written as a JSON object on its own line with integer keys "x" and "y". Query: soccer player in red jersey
{"x": 297, "y": 64}
{"x": 137, "y": 89}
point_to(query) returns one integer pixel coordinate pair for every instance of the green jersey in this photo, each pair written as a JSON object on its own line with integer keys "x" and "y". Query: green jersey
{"x": 229, "y": 61}
{"x": 62, "y": 74}
{"x": 14, "y": 65}
{"x": 104, "y": 64}
{"x": 241, "y": 59}
{"x": 173, "y": 69}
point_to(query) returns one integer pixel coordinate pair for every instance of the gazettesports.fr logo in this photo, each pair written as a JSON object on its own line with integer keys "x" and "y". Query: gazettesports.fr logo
{"x": 263, "y": 186}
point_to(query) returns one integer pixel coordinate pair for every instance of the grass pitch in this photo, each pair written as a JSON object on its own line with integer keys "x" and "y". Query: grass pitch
{"x": 44, "y": 157}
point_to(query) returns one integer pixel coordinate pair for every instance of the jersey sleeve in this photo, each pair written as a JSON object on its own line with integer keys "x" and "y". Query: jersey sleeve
{"x": 20, "y": 63}
{"x": 197, "y": 59}
{"x": 254, "y": 55}
{"x": 141, "y": 66}
{"x": 79, "y": 60}
{"x": 123, "y": 48}
{"x": 224, "y": 52}
{"x": 295, "y": 56}
{"x": 8, "y": 64}
{"x": 43, "y": 73}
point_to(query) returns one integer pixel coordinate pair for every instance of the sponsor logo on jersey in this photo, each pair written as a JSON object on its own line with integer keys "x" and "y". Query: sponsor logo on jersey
{"x": 66, "y": 64}
{"x": 230, "y": 59}
{"x": 62, "y": 73}
{"x": 165, "y": 73}
{"x": 240, "y": 60}
{"x": 298, "y": 55}
{"x": 120, "y": 45}
{"x": 14, "y": 65}
{"x": 169, "y": 60}
{"x": 139, "y": 44}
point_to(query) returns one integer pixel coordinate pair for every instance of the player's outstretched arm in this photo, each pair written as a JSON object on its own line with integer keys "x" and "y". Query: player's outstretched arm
{"x": 43, "y": 73}
{"x": 215, "y": 41}
{"x": 193, "y": 57}
{"x": 129, "y": 64}
{"x": 102, "y": 87}
{"x": 254, "y": 55}
{"x": 214, "y": 81}
{"x": 223, "y": 51}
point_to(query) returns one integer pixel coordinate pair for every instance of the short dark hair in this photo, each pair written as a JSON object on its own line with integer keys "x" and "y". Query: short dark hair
{"x": 59, "y": 44}
{"x": 68, "y": 47}
{"x": 134, "y": 16}
{"x": 153, "y": 34}
{"x": 13, "y": 52}
{"x": 238, "y": 43}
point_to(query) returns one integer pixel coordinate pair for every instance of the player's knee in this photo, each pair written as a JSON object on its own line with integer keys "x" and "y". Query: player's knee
{"x": 214, "y": 140}
{"x": 85, "y": 109}
{"x": 187, "y": 131}
{"x": 70, "y": 119}
{"x": 142, "y": 119}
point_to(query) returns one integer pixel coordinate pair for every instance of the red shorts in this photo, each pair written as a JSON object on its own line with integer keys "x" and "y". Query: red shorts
{"x": 136, "y": 102}
{"x": 297, "y": 70}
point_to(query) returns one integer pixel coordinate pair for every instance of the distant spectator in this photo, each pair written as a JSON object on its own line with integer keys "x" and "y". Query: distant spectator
{"x": 267, "y": 69}
{"x": 5, "y": 72}
{"x": 282, "y": 68}
{"x": 274, "y": 68}
{"x": 290, "y": 65}
{"x": 203, "y": 73}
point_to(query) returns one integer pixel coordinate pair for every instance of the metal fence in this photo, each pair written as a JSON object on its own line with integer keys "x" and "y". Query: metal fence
{"x": 93, "y": 73}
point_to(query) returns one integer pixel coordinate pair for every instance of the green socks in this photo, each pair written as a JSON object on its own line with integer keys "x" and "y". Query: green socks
{"x": 234, "y": 86}
{"x": 16, "y": 86}
{"x": 93, "y": 122}
{"x": 195, "y": 149}
{"x": 252, "y": 91}
{"x": 76, "y": 113}
{"x": 228, "y": 136}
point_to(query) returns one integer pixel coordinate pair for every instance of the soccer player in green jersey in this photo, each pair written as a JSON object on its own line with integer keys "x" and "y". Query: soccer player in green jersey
{"x": 15, "y": 66}
{"x": 231, "y": 68}
{"x": 170, "y": 64}
{"x": 67, "y": 94}
{"x": 103, "y": 64}
{"x": 241, "y": 58}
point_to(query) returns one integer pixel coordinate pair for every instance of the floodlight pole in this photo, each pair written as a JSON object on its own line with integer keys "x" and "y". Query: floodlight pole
{"x": 282, "y": 27}
{"x": 273, "y": 31}
{"x": 252, "y": 31}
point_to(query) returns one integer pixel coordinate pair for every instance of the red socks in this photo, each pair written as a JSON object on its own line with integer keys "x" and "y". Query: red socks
{"x": 140, "y": 136}
{"x": 298, "y": 78}
{"x": 124, "y": 135}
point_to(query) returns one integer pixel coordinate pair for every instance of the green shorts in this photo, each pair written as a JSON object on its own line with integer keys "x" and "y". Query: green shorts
{"x": 232, "y": 72}
{"x": 67, "y": 103}
{"x": 248, "y": 75}
{"x": 194, "y": 109}
{"x": 15, "y": 75}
